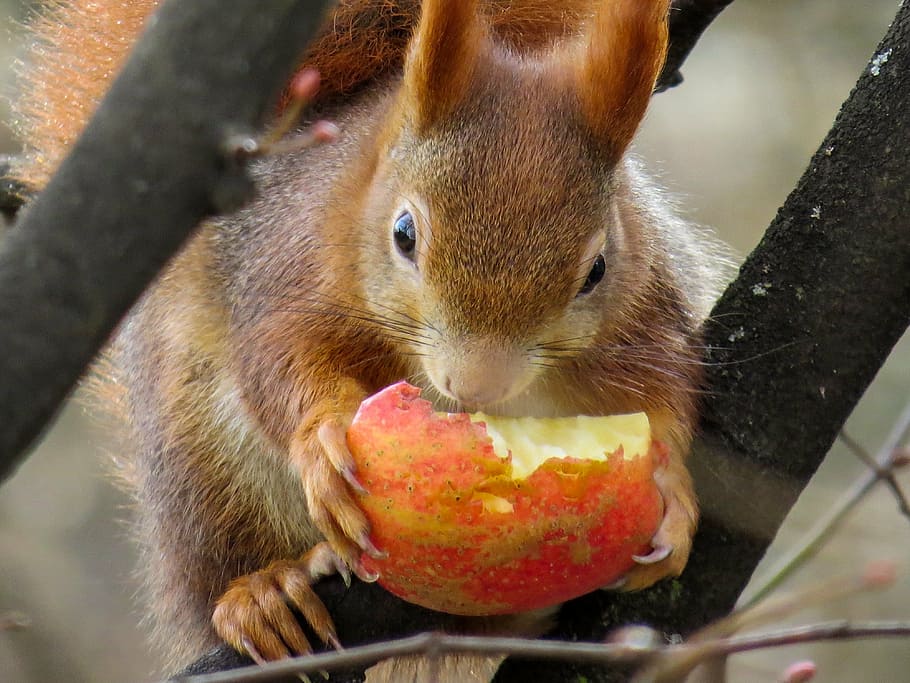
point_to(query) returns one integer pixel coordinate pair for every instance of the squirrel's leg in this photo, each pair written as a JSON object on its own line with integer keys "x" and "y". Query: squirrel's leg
{"x": 320, "y": 453}
{"x": 672, "y": 542}
{"x": 254, "y": 615}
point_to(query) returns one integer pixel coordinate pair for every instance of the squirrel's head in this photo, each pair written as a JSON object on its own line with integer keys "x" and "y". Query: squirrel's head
{"x": 492, "y": 208}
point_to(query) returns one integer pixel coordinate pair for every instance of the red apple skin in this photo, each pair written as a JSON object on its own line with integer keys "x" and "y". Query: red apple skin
{"x": 574, "y": 527}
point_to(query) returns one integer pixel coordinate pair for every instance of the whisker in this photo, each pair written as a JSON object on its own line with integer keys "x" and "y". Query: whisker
{"x": 416, "y": 322}
{"x": 391, "y": 328}
{"x": 310, "y": 304}
{"x": 377, "y": 358}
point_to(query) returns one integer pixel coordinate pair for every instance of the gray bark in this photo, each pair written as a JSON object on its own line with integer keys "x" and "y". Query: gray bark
{"x": 147, "y": 169}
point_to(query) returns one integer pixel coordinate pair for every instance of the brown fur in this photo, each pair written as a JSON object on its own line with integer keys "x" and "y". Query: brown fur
{"x": 72, "y": 60}
{"x": 618, "y": 67}
{"x": 441, "y": 61}
{"x": 241, "y": 368}
{"x": 78, "y": 48}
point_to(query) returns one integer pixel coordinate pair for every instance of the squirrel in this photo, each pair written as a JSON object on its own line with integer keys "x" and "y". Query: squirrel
{"x": 479, "y": 228}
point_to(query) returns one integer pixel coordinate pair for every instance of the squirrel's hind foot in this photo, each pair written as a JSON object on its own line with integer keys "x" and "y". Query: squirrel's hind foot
{"x": 256, "y": 613}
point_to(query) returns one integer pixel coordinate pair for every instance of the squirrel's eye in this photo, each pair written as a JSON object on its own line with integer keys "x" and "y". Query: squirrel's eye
{"x": 404, "y": 233}
{"x": 598, "y": 268}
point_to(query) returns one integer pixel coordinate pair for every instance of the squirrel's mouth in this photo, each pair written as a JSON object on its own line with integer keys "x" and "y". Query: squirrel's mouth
{"x": 476, "y": 374}
{"x": 528, "y": 402}
{"x": 445, "y": 402}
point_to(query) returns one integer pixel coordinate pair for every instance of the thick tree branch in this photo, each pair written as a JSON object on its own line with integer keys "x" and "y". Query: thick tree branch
{"x": 148, "y": 168}
{"x": 688, "y": 20}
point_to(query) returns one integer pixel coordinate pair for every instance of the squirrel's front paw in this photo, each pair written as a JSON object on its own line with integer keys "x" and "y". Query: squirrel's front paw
{"x": 255, "y": 613}
{"x": 671, "y": 544}
{"x": 330, "y": 485}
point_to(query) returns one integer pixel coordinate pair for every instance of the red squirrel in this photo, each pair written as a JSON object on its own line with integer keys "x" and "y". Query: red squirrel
{"x": 479, "y": 229}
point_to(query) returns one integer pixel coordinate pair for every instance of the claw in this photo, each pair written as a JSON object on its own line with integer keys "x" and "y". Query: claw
{"x": 332, "y": 437}
{"x": 365, "y": 575}
{"x": 657, "y": 554}
{"x": 330, "y": 557}
{"x": 334, "y": 642}
{"x": 256, "y": 613}
{"x": 349, "y": 476}
{"x": 344, "y": 573}
{"x": 367, "y": 546}
{"x": 616, "y": 585}
{"x": 252, "y": 651}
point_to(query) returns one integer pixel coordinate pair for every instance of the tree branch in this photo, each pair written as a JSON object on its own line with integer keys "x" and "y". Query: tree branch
{"x": 635, "y": 645}
{"x": 688, "y": 20}
{"x": 884, "y": 471}
{"x": 887, "y": 459}
{"x": 136, "y": 183}
{"x": 598, "y": 653}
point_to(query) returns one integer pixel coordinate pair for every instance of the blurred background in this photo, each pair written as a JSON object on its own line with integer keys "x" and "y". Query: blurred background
{"x": 761, "y": 91}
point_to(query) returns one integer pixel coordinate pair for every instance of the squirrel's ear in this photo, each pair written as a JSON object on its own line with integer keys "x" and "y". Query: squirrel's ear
{"x": 441, "y": 59}
{"x": 623, "y": 53}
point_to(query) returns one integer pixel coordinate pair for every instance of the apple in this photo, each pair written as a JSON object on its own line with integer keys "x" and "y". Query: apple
{"x": 484, "y": 515}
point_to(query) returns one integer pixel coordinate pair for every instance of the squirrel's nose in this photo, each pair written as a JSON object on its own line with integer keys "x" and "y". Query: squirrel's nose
{"x": 480, "y": 375}
{"x": 474, "y": 392}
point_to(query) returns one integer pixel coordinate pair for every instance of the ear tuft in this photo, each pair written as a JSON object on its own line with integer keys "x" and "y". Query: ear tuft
{"x": 624, "y": 52}
{"x": 441, "y": 59}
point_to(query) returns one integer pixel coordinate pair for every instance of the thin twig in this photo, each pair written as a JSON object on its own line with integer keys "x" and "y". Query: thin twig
{"x": 676, "y": 665}
{"x": 884, "y": 471}
{"x": 841, "y": 629}
{"x": 551, "y": 650}
{"x": 876, "y": 576}
{"x": 722, "y": 647}
{"x": 815, "y": 538}
{"x": 421, "y": 644}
